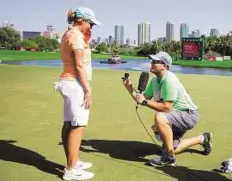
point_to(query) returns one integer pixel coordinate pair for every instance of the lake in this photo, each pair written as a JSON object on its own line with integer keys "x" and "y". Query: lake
{"x": 137, "y": 65}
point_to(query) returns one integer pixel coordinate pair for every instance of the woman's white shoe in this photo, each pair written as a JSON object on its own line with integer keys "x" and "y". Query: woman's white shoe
{"x": 77, "y": 174}
{"x": 83, "y": 165}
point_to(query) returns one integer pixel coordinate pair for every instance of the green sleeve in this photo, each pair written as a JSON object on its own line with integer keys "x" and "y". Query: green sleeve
{"x": 169, "y": 90}
{"x": 149, "y": 92}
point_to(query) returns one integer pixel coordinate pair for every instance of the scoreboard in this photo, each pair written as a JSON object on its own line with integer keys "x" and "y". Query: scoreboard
{"x": 193, "y": 48}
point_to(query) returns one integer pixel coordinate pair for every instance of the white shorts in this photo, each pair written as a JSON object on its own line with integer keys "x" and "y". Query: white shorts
{"x": 73, "y": 95}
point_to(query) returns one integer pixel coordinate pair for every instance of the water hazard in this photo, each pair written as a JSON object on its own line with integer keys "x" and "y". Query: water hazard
{"x": 137, "y": 65}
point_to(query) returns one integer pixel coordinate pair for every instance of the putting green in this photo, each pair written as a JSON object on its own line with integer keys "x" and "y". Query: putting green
{"x": 114, "y": 141}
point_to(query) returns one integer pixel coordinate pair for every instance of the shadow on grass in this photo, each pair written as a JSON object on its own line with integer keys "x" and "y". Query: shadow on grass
{"x": 136, "y": 151}
{"x": 17, "y": 154}
{"x": 186, "y": 174}
{"x": 125, "y": 150}
{"x": 194, "y": 151}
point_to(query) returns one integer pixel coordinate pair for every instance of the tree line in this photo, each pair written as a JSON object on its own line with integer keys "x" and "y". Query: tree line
{"x": 10, "y": 39}
{"x": 217, "y": 45}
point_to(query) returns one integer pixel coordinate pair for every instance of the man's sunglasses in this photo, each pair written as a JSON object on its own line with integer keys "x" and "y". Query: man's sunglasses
{"x": 157, "y": 62}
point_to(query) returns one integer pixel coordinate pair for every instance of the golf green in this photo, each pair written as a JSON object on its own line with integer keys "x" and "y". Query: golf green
{"x": 115, "y": 141}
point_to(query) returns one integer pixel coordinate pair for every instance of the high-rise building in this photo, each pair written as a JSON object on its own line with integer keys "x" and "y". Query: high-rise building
{"x": 111, "y": 40}
{"x": 119, "y": 34}
{"x": 93, "y": 42}
{"x": 184, "y": 31}
{"x": 5, "y": 24}
{"x": 196, "y": 34}
{"x": 214, "y": 32}
{"x": 134, "y": 42}
{"x": 50, "y": 28}
{"x": 99, "y": 40}
{"x": 130, "y": 42}
{"x": 30, "y": 34}
{"x": 144, "y": 33}
{"x": 169, "y": 31}
{"x": 106, "y": 41}
{"x": 50, "y": 32}
{"x": 46, "y": 34}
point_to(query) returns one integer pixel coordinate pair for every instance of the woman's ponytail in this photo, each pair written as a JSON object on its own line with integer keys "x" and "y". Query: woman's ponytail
{"x": 71, "y": 16}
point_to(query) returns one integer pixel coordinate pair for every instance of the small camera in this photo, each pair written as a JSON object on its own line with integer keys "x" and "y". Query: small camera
{"x": 126, "y": 76}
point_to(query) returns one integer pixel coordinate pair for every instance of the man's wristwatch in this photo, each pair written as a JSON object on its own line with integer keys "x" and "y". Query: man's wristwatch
{"x": 144, "y": 103}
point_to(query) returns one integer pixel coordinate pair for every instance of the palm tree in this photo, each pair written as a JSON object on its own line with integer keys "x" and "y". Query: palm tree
{"x": 116, "y": 50}
{"x": 224, "y": 43}
{"x": 210, "y": 43}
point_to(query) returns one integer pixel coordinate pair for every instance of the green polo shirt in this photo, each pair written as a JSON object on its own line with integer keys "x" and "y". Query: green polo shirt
{"x": 169, "y": 88}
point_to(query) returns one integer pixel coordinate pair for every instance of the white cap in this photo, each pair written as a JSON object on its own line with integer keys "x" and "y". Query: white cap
{"x": 162, "y": 56}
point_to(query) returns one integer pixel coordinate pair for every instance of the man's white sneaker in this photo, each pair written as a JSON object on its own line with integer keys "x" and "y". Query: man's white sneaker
{"x": 83, "y": 165}
{"x": 75, "y": 174}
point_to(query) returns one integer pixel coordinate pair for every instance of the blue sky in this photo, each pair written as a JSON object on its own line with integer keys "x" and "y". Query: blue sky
{"x": 34, "y": 15}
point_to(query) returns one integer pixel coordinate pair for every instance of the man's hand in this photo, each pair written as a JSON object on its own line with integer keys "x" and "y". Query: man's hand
{"x": 128, "y": 85}
{"x": 87, "y": 99}
{"x": 140, "y": 98}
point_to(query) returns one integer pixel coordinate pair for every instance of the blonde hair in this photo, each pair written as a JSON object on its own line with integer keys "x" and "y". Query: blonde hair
{"x": 71, "y": 16}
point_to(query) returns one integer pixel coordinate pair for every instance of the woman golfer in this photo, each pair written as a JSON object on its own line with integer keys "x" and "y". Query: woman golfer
{"x": 74, "y": 86}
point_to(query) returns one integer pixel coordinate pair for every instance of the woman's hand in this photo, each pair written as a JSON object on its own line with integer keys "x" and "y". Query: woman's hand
{"x": 87, "y": 99}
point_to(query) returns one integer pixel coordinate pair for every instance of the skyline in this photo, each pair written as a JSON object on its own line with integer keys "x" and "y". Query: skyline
{"x": 204, "y": 17}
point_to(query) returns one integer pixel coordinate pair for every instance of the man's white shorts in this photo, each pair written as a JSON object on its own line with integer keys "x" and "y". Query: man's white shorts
{"x": 73, "y": 95}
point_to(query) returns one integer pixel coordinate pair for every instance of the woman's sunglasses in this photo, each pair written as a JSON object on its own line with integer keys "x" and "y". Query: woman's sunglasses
{"x": 90, "y": 23}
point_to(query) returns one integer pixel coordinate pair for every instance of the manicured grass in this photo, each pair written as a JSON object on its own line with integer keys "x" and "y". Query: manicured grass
{"x": 114, "y": 141}
{"x": 211, "y": 64}
{"x": 8, "y": 55}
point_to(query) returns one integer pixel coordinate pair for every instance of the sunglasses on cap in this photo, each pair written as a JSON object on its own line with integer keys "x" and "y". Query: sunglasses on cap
{"x": 157, "y": 62}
